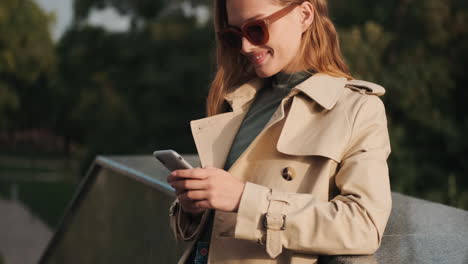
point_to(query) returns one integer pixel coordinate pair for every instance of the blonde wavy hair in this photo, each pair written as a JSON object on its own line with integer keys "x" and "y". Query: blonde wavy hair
{"x": 319, "y": 50}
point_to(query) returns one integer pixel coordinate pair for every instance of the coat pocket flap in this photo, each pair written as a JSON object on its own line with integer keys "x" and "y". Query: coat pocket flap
{"x": 322, "y": 148}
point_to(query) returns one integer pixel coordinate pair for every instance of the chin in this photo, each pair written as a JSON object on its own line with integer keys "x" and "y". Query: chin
{"x": 265, "y": 73}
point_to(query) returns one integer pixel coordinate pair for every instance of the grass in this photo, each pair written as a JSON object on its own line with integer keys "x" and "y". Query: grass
{"x": 44, "y": 184}
{"x": 47, "y": 200}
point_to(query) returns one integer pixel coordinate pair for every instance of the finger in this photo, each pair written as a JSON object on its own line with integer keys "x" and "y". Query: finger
{"x": 185, "y": 200}
{"x": 172, "y": 178}
{"x": 194, "y": 211}
{"x": 197, "y": 173}
{"x": 188, "y": 205}
{"x": 194, "y": 195}
{"x": 179, "y": 192}
{"x": 203, "y": 204}
{"x": 189, "y": 185}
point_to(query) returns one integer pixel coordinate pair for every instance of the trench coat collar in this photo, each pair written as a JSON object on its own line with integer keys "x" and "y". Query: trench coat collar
{"x": 243, "y": 94}
{"x": 213, "y": 135}
{"x": 208, "y": 132}
{"x": 323, "y": 89}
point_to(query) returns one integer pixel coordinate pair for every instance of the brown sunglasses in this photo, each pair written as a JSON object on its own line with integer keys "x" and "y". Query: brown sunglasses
{"x": 255, "y": 31}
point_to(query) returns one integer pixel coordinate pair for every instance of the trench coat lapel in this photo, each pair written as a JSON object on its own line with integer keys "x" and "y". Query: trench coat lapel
{"x": 323, "y": 89}
{"x": 214, "y": 135}
{"x": 310, "y": 128}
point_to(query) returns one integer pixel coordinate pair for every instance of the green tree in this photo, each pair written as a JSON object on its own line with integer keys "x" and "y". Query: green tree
{"x": 135, "y": 91}
{"x": 27, "y": 60}
{"x": 417, "y": 50}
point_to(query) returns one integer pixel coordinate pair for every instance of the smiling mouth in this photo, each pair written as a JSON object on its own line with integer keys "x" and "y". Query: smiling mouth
{"x": 259, "y": 58}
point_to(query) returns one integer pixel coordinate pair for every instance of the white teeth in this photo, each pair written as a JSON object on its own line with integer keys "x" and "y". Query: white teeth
{"x": 257, "y": 58}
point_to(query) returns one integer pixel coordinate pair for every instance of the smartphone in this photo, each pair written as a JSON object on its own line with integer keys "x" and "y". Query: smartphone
{"x": 171, "y": 160}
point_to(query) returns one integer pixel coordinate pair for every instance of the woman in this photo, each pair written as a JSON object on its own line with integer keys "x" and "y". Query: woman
{"x": 293, "y": 151}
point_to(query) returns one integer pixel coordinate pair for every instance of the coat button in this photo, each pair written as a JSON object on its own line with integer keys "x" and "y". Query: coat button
{"x": 288, "y": 173}
{"x": 203, "y": 251}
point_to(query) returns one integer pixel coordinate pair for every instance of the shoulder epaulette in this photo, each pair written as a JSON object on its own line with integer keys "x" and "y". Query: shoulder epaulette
{"x": 365, "y": 87}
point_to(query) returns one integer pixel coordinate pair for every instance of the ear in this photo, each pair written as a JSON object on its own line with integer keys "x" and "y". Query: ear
{"x": 306, "y": 10}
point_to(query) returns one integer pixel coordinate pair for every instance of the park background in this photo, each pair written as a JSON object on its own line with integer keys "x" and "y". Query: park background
{"x": 96, "y": 91}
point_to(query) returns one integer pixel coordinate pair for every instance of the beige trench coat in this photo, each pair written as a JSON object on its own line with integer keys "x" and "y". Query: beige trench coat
{"x": 316, "y": 176}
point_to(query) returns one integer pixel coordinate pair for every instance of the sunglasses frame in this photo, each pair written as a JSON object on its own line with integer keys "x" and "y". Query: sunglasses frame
{"x": 263, "y": 23}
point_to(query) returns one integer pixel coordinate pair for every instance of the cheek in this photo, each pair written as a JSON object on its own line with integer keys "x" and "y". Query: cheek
{"x": 283, "y": 44}
{"x": 286, "y": 45}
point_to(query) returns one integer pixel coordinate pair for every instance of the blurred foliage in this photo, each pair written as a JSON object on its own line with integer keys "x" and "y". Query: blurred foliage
{"x": 418, "y": 50}
{"x": 144, "y": 9}
{"x": 46, "y": 200}
{"x": 136, "y": 91}
{"x": 27, "y": 59}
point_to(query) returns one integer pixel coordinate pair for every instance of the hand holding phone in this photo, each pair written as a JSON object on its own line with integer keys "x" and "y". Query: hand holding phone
{"x": 172, "y": 160}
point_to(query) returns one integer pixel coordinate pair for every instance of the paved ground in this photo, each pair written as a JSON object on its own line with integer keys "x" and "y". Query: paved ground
{"x": 23, "y": 236}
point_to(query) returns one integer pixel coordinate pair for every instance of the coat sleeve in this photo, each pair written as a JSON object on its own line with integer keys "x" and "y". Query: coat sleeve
{"x": 183, "y": 225}
{"x": 352, "y": 222}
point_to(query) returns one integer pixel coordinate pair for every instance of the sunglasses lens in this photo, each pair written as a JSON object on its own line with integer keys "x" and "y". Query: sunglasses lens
{"x": 231, "y": 39}
{"x": 256, "y": 34}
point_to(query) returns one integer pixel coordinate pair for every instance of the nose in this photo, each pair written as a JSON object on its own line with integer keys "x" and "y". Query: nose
{"x": 246, "y": 46}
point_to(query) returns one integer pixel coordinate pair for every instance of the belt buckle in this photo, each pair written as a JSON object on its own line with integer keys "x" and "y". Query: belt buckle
{"x": 273, "y": 218}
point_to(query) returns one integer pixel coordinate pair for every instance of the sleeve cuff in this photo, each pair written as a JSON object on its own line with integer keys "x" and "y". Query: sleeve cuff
{"x": 253, "y": 205}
